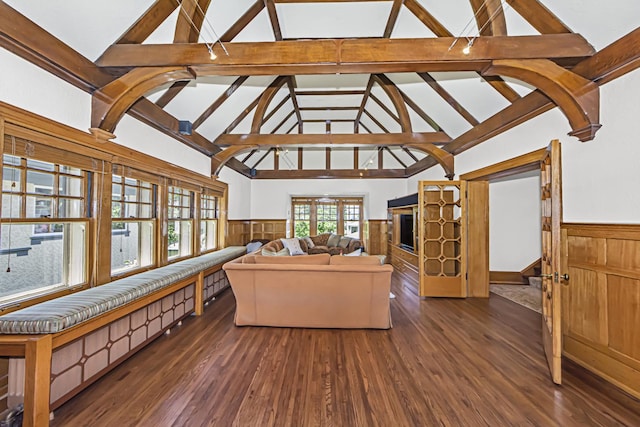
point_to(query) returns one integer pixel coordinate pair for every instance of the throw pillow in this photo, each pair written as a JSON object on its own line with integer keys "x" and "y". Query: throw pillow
{"x": 344, "y": 242}
{"x": 333, "y": 241}
{"x": 309, "y": 242}
{"x": 293, "y": 245}
{"x": 282, "y": 252}
{"x": 357, "y": 252}
{"x": 253, "y": 246}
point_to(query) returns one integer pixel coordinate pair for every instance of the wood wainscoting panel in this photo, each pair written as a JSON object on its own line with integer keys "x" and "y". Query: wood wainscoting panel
{"x": 270, "y": 229}
{"x": 601, "y": 309}
{"x": 376, "y": 244}
{"x": 586, "y": 305}
{"x": 624, "y": 310}
{"x": 239, "y": 232}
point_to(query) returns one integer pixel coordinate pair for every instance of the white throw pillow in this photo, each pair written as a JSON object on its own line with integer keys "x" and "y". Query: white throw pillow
{"x": 357, "y": 252}
{"x": 293, "y": 245}
{"x": 309, "y": 242}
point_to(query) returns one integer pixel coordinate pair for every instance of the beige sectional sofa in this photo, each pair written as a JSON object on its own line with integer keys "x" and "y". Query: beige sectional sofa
{"x": 311, "y": 291}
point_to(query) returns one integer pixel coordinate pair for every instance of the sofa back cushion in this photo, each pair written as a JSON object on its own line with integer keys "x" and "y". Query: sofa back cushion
{"x": 333, "y": 240}
{"x": 354, "y": 260}
{"x": 317, "y": 259}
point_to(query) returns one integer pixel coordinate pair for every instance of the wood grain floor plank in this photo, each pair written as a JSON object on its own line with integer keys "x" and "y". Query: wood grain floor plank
{"x": 446, "y": 362}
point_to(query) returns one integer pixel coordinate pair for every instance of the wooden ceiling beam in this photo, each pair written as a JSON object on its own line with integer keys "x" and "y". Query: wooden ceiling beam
{"x": 501, "y": 86}
{"x": 420, "y": 112}
{"x": 152, "y": 115}
{"x": 385, "y": 108}
{"x": 376, "y": 121}
{"x": 244, "y": 113}
{"x": 27, "y": 40}
{"x": 111, "y": 102}
{"x": 393, "y": 18}
{"x": 221, "y": 158}
{"x": 171, "y": 92}
{"x": 282, "y": 122}
{"x": 347, "y": 55}
{"x": 276, "y": 108}
{"x": 265, "y": 100}
{"x": 365, "y": 97}
{"x": 219, "y": 101}
{"x": 427, "y": 18}
{"x": 489, "y": 17}
{"x": 376, "y": 139}
{"x": 328, "y": 92}
{"x": 540, "y": 18}
{"x": 396, "y": 99}
{"x": 242, "y": 22}
{"x": 148, "y": 22}
{"x": 388, "y": 150}
{"x": 578, "y": 98}
{"x": 448, "y": 98}
{"x": 330, "y": 174}
{"x": 190, "y": 20}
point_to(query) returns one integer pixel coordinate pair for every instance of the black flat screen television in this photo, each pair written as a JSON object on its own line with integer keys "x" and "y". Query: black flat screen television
{"x": 406, "y": 231}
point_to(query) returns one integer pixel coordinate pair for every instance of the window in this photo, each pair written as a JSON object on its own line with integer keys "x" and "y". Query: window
{"x": 317, "y": 215}
{"x": 180, "y": 223}
{"x": 208, "y": 222}
{"x": 132, "y": 224}
{"x": 44, "y": 227}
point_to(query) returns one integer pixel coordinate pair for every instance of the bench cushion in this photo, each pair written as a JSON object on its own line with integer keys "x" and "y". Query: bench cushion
{"x": 53, "y": 316}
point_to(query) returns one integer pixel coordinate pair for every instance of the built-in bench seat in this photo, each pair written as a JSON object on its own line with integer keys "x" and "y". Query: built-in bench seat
{"x": 62, "y": 345}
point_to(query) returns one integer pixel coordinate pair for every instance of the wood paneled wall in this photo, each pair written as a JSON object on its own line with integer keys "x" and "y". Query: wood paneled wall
{"x": 241, "y": 231}
{"x": 375, "y": 241}
{"x": 601, "y": 302}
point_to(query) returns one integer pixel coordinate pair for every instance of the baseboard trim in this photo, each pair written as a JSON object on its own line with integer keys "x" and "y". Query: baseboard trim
{"x": 507, "y": 278}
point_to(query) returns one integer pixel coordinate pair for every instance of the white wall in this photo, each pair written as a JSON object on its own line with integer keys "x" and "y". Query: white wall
{"x": 31, "y": 88}
{"x": 271, "y": 199}
{"x": 514, "y": 224}
{"x": 239, "y": 206}
{"x": 601, "y": 177}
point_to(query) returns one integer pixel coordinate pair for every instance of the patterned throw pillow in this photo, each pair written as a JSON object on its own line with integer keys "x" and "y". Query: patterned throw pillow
{"x": 344, "y": 242}
{"x": 293, "y": 245}
{"x": 309, "y": 242}
{"x": 333, "y": 241}
{"x": 282, "y": 252}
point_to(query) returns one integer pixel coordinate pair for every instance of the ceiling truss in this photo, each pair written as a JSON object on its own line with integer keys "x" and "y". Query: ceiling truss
{"x": 561, "y": 66}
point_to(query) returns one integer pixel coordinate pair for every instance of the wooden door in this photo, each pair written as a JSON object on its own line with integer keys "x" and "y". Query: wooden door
{"x": 551, "y": 194}
{"x": 441, "y": 236}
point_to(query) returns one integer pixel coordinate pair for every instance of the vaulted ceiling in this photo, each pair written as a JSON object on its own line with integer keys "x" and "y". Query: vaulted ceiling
{"x": 305, "y": 89}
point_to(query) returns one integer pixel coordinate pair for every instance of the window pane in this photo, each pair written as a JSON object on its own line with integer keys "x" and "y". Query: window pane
{"x": 70, "y": 171}
{"x": 145, "y": 195}
{"x": 145, "y": 211}
{"x": 130, "y": 210}
{"x": 11, "y": 206}
{"x": 37, "y": 164}
{"x": 9, "y": 177}
{"x": 39, "y": 207}
{"x": 70, "y": 208}
{"x": 132, "y": 245}
{"x": 116, "y": 192}
{"x": 208, "y": 235}
{"x": 70, "y": 186}
{"x": 301, "y": 228}
{"x": 180, "y": 239}
{"x": 11, "y": 160}
{"x": 41, "y": 263}
{"x": 39, "y": 182}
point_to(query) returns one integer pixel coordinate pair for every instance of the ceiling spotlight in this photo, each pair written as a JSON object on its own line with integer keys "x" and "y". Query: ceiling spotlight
{"x": 467, "y": 49}
{"x": 212, "y": 54}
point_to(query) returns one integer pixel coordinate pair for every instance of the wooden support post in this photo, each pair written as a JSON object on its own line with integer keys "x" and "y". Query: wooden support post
{"x": 199, "y": 294}
{"x": 37, "y": 383}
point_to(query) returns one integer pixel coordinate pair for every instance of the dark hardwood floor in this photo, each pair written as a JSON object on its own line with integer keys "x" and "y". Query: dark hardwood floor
{"x": 446, "y": 362}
